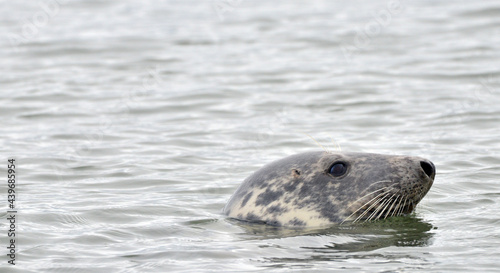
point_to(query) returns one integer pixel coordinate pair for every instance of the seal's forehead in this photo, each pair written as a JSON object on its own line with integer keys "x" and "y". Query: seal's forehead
{"x": 324, "y": 160}
{"x": 349, "y": 156}
{"x": 330, "y": 157}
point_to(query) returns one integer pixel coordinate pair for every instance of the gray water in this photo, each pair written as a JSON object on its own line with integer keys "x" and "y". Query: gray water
{"x": 132, "y": 122}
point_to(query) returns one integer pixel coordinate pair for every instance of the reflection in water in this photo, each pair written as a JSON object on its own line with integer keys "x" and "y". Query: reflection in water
{"x": 396, "y": 231}
{"x": 341, "y": 242}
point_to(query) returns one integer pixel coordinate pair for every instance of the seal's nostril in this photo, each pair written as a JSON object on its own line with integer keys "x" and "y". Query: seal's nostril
{"x": 428, "y": 168}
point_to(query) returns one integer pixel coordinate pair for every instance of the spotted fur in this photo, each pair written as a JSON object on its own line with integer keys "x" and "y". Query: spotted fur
{"x": 299, "y": 190}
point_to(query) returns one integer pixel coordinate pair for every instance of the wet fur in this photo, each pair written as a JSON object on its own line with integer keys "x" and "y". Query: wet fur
{"x": 299, "y": 191}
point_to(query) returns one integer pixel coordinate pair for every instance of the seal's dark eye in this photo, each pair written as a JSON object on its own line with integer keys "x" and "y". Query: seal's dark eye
{"x": 338, "y": 169}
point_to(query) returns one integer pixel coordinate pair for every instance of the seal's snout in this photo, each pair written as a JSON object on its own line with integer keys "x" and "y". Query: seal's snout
{"x": 428, "y": 168}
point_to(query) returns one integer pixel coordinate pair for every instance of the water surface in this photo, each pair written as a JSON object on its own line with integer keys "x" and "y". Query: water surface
{"x": 133, "y": 122}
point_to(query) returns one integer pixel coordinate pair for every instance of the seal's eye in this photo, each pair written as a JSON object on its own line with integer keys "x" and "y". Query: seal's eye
{"x": 338, "y": 169}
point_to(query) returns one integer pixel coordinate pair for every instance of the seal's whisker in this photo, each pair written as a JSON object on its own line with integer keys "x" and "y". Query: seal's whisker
{"x": 393, "y": 203}
{"x": 383, "y": 206}
{"x": 403, "y": 206}
{"x": 368, "y": 209}
{"x": 335, "y": 143}
{"x": 379, "y": 204}
{"x": 372, "y": 212}
{"x": 378, "y": 182}
{"x": 319, "y": 144}
{"x": 377, "y": 201}
{"x": 398, "y": 212}
{"x": 365, "y": 204}
{"x": 400, "y": 206}
{"x": 389, "y": 201}
{"x": 353, "y": 203}
{"x": 381, "y": 181}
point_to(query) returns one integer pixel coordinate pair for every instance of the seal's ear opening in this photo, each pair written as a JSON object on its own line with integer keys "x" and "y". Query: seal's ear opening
{"x": 295, "y": 173}
{"x": 428, "y": 168}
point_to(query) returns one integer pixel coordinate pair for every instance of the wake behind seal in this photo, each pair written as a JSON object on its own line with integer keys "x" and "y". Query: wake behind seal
{"x": 324, "y": 188}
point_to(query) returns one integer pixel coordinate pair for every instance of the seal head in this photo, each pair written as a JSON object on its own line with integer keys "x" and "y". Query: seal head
{"x": 324, "y": 188}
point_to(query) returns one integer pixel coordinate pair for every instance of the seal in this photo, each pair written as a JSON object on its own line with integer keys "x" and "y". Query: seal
{"x": 319, "y": 188}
